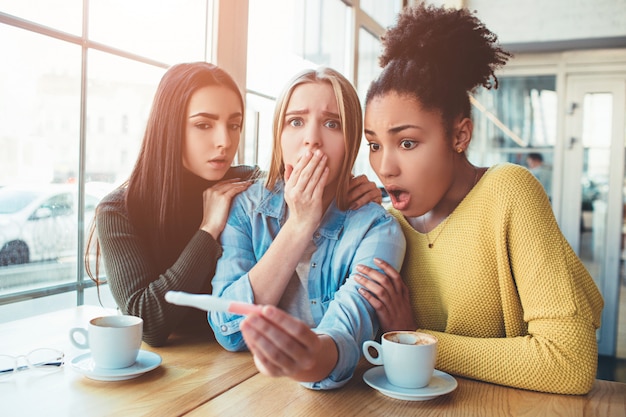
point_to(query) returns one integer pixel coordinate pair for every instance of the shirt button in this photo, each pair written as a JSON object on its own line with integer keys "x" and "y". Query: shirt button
{"x": 223, "y": 328}
{"x": 313, "y": 265}
{"x": 313, "y": 302}
{"x": 316, "y": 235}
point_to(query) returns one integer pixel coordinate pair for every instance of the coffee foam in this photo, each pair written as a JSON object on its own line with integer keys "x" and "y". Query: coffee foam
{"x": 410, "y": 338}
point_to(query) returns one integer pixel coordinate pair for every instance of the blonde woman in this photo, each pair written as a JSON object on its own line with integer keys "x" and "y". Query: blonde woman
{"x": 292, "y": 242}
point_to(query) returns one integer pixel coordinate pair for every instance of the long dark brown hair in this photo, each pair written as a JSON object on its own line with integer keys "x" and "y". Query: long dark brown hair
{"x": 153, "y": 198}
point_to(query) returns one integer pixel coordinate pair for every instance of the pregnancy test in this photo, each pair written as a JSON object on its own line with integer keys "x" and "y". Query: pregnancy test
{"x": 211, "y": 303}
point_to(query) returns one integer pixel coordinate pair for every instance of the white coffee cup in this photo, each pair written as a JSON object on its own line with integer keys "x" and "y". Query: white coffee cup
{"x": 408, "y": 357}
{"x": 114, "y": 340}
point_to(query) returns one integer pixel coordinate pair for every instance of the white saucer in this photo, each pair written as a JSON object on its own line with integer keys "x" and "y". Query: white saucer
{"x": 441, "y": 383}
{"x": 146, "y": 361}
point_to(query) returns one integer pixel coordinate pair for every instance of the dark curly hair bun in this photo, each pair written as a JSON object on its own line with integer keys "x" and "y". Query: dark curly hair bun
{"x": 439, "y": 55}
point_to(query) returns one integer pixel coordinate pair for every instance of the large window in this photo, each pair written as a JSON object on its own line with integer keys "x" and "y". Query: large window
{"x": 368, "y": 70}
{"x": 287, "y": 36}
{"x": 385, "y": 12}
{"x": 75, "y": 97}
{"x": 516, "y": 121}
{"x": 61, "y": 15}
{"x": 284, "y": 38}
{"x": 167, "y": 31}
{"x": 77, "y": 81}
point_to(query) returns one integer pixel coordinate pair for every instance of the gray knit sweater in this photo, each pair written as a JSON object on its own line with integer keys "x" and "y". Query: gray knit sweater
{"x": 137, "y": 284}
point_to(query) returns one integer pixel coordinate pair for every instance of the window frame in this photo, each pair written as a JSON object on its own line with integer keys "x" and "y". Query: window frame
{"x": 225, "y": 44}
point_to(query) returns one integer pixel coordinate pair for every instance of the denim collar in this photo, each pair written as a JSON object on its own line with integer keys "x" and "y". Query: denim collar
{"x": 273, "y": 205}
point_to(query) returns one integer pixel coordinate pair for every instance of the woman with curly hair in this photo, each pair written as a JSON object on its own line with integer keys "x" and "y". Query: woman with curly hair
{"x": 487, "y": 269}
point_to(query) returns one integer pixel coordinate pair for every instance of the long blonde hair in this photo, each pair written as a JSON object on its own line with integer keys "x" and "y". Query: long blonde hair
{"x": 351, "y": 117}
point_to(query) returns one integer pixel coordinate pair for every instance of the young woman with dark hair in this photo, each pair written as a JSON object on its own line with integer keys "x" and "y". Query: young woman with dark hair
{"x": 487, "y": 269}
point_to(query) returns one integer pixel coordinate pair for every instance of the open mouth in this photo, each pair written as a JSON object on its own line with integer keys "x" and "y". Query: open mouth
{"x": 399, "y": 198}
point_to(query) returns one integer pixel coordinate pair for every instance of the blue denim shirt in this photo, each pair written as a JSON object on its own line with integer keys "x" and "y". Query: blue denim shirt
{"x": 343, "y": 240}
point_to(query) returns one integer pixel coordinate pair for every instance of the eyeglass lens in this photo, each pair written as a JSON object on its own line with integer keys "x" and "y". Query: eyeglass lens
{"x": 43, "y": 359}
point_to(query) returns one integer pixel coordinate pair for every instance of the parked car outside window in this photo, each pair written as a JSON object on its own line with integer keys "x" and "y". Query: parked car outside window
{"x": 40, "y": 222}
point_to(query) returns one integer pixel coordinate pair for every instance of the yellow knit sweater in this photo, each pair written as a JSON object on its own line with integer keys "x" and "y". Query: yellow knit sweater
{"x": 502, "y": 290}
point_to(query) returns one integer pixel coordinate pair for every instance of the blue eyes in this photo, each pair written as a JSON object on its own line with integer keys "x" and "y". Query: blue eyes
{"x": 298, "y": 122}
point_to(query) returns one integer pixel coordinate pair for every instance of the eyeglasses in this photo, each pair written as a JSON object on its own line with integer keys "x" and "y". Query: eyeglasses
{"x": 43, "y": 359}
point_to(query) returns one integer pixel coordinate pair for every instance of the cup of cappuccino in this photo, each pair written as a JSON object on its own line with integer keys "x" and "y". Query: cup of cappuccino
{"x": 408, "y": 357}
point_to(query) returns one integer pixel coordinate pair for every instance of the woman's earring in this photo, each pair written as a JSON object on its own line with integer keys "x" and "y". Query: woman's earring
{"x": 459, "y": 150}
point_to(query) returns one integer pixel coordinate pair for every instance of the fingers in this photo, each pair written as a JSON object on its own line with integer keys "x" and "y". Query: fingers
{"x": 216, "y": 204}
{"x": 358, "y": 181}
{"x": 376, "y": 194}
{"x": 267, "y": 354}
{"x": 229, "y": 181}
{"x": 227, "y": 189}
{"x": 359, "y": 185}
{"x": 384, "y": 286}
{"x": 285, "y": 321}
{"x": 236, "y": 189}
{"x": 308, "y": 171}
{"x": 363, "y": 191}
{"x": 302, "y": 162}
{"x": 387, "y": 294}
{"x": 281, "y": 343}
{"x": 310, "y": 178}
{"x": 288, "y": 171}
{"x": 318, "y": 191}
{"x": 393, "y": 313}
{"x": 226, "y": 185}
{"x": 389, "y": 275}
{"x": 376, "y": 287}
{"x": 368, "y": 293}
{"x": 388, "y": 269}
{"x": 305, "y": 189}
{"x": 297, "y": 169}
{"x": 373, "y": 275}
{"x": 274, "y": 359}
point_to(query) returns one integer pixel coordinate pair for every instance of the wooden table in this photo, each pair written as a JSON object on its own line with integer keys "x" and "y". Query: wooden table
{"x": 264, "y": 396}
{"x": 192, "y": 372}
{"x": 199, "y": 378}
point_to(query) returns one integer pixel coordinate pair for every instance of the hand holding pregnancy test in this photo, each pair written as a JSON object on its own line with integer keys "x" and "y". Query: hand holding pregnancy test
{"x": 211, "y": 303}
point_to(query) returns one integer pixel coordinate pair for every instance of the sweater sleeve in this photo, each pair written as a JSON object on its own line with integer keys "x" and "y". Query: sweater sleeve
{"x": 136, "y": 286}
{"x": 551, "y": 306}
